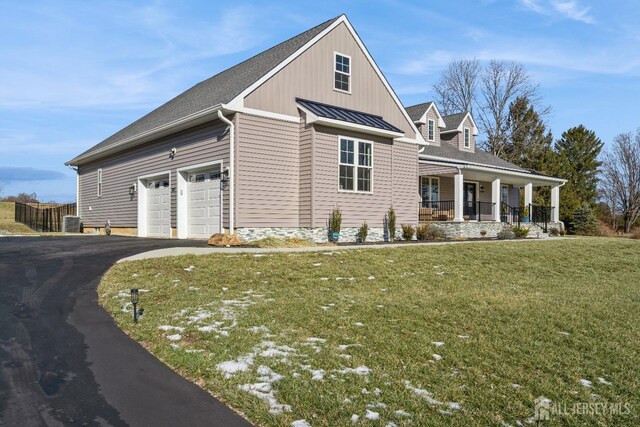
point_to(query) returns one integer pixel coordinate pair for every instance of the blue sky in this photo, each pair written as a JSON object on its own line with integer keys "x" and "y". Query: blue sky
{"x": 75, "y": 72}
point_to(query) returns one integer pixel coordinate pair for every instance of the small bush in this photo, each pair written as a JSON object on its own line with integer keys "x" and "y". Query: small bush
{"x": 563, "y": 231}
{"x": 520, "y": 232}
{"x": 435, "y": 233}
{"x": 506, "y": 234}
{"x": 554, "y": 231}
{"x": 391, "y": 223}
{"x": 483, "y": 233}
{"x": 422, "y": 232}
{"x": 335, "y": 220}
{"x": 407, "y": 231}
{"x": 364, "y": 231}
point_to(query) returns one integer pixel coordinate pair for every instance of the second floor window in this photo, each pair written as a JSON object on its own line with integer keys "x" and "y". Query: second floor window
{"x": 467, "y": 138}
{"x": 342, "y": 73}
{"x": 356, "y": 165}
{"x": 431, "y": 130}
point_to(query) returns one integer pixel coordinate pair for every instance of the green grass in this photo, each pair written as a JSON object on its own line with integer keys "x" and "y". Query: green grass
{"x": 542, "y": 315}
{"x": 8, "y": 225}
{"x": 274, "y": 242}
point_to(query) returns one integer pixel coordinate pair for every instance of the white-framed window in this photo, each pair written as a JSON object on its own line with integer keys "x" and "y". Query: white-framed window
{"x": 342, "y": 73}
{"x": 467, "y": 138}
{"x": 99, "y": 182}
{"x": 430, "y": 191}
{"x": 431, "y": 130}
{"x": 355, "y": 165}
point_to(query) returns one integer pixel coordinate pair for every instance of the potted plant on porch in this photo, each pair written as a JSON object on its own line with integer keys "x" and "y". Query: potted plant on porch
{"x": 525, "y": 214}
{"x": 334, "y": 224}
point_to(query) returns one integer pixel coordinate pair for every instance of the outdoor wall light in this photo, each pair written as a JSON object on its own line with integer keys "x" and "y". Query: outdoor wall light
{"x": 132, "y": 189}
{"x": 224, "y": 179}
{"x": 172, "y": 153}
{"x": 482, "y": 188}
{"x": 134, "y": 301}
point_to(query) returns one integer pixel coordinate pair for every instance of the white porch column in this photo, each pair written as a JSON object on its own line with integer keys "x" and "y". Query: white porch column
{"x": 496, "y": 194}
{"x": 555, "y": 203}
{"x": 458, "y": 190}
{"x": 528, "y": 195}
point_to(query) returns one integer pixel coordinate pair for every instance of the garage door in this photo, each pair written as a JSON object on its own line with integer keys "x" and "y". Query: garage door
{"x": 158, "y": 208}
{"x": 203, "y": 192}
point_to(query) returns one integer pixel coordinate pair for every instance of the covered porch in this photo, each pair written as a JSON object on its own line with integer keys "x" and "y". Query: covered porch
{"x": 476, "y": 193}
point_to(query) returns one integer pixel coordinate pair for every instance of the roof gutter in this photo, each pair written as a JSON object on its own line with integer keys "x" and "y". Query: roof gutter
{"x": 157, "y": 132}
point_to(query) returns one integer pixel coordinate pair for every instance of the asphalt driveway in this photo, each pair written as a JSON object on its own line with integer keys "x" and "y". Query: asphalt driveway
{"x": 62, "y": 359}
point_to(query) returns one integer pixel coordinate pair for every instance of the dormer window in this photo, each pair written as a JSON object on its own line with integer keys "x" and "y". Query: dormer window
{"x": 467, "y": 138}
{"x": 342, "y": 73}
{"x": 431, "y": 130}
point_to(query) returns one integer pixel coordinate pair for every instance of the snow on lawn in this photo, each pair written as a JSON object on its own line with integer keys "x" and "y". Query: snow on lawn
{"x": 436, "y": 357}
{"x": 189, "y": 269}
{"x": 428, "y": 397}
{"x": 373, "y": 416}
{"x": 300, "y": 423}
{"x": 603, "y": 381}
{"x": 170, "y": 328}
{"x": 360, "y": 370}
{"x": 585, "y": 383}
{"x": 231, "y": 367}
{"x": 437, "y": 343}
{"x": 175, "y": 337}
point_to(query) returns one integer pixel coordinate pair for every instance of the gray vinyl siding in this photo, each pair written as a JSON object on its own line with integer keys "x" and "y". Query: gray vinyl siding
{"x": 267, "y": 173}
{"x": 427, "y": 169}
{"x": 306, "y": 163}
{"x": 395, "y": 177}
{"x": 311, "y": 76}
{"x": 201, "y": 144}
{"x": 456, "y": 139}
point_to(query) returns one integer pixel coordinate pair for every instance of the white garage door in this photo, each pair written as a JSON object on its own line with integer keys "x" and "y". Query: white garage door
{"x": 203, "y": 192}
{"x": 158, "y": 208}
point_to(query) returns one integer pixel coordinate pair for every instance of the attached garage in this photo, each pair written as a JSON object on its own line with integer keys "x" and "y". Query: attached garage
{"x": 199, "y": 201}
{"x": 154, "y": 206}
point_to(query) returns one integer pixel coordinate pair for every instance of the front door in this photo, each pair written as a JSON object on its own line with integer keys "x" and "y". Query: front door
{"x": 469, "y": 190}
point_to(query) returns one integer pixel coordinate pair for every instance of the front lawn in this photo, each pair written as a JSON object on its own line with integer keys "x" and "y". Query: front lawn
{"x": 8, "y": 225}
{"x": 430, "y": 335}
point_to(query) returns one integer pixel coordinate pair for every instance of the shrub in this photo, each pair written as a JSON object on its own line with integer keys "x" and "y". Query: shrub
{"x": 434, "y": 232}
{"x": 483, "y": 233}
{"x": 563, "y": 231}
{"x": 584, "y": 221}
{"x": 520, "y": 232}
{"x": 336, "y": 220}
{"x": 422, "y": 232}
{"x": 506, "y": 234}
{"x": 391, "y": 223}
{"x": 554, "y": 231}
{"x": 364, "y": 231}
{"x": 407, "y": 231}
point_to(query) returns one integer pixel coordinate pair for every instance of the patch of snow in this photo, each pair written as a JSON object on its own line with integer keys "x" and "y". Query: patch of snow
{"x": 371, "y": 277}
{"x": 258, "y": 255}
{"x": 346, "y": 400}
{"x": 364, "y": 391}
{"x": 225, "y": 289}
{"x": 300, "y": 423}
{"x": 463, "y": 337}
{"x": 190, "y": 268}
{"x": 359, "y": 324}
{"x": 317, "y": 264}
{"x": 345, "y": 356}
{"x": 134, "y": 275}
{"x": 391, "y": 424}
{"x": 380, "y": 306}
{"x": 316, "y": 374}
{"x": 401, "y": 413}
{"x": 198, "y": 316}
{"x": 516, "y": 385}
{"x": 174, "y": 337}
{"x": 258, "y": 329}
{"x": 313, "y": 339}
{"x": 193, "y": 288}
{"x": 603, "y": 381}
{"x": 170, "y": 328}
{"x": 585, "y": 383}
{"x": 267, "y": 375}
{"x": 174, "y": 346}
{"x": 191, "y": 350}
{"x": 265, "y": 392}
{"x": 564, "y": 333}
{"x": 440, "y": 273}
{"x": 324, "y": 278}
{"x": 438, "y": 266}
{"x": 375, "y": 405}
{"x": 231, "y": 367}
{"x": 436, "y": 356}
{"x": 371, "y": 415}
{"x": 377, "y": 392}
{"x": 354, "y": 418}
{"x": 327, "y": 253}
{"x": 437, "y": 343}
{"x": 391, "y": 260}
{"x": 360, "y": 370}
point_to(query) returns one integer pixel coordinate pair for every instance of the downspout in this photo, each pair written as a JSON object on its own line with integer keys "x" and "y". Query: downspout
{"x": 232, "y": 156}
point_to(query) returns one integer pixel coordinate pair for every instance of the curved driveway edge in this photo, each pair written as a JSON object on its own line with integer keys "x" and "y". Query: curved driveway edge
{"x": 65, "y": 362}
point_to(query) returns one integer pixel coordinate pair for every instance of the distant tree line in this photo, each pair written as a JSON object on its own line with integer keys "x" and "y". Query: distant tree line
{"x": 505, "y": 100}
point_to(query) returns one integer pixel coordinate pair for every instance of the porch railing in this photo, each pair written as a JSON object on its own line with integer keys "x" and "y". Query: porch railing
{"x": 538, "y": 215}
{"x": 445, "y": 211}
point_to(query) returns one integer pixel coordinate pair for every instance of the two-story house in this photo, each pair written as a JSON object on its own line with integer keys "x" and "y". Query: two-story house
{"x": 273, "y": 144}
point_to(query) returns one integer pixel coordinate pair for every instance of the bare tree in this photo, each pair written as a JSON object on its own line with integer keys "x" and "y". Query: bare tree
{"x": 621, "y": 177}
{"x": 457, "y": 88}
{"x": 502, "y": 83}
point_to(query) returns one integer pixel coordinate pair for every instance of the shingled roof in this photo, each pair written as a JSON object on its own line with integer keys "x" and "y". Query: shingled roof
{"x": 452, "y": 121}
{"x": 416, "y": 112}
{"x": 219, "y": 89}
{"x": 455, "y": 155}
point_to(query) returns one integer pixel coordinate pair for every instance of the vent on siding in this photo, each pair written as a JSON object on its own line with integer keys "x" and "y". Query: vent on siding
{"x": 70, "y": 224}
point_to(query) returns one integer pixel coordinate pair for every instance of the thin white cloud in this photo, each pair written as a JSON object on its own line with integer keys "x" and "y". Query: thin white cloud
{"x": 569, "y": 9}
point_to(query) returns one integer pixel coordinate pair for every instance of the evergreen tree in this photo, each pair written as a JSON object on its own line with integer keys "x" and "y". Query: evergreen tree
{"x": 577, "y": 153}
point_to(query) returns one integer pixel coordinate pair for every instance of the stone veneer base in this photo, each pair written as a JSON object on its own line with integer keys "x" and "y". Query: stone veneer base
{"x": 453, "y": 230}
